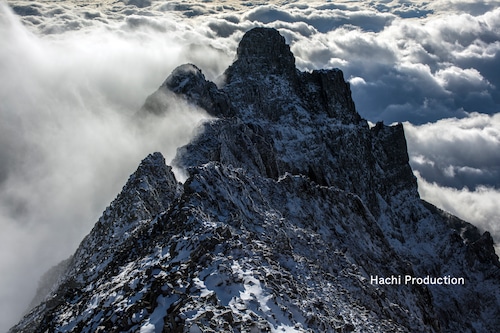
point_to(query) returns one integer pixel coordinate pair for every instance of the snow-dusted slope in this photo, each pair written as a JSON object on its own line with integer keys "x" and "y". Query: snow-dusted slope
{"x": 293, "y": 214}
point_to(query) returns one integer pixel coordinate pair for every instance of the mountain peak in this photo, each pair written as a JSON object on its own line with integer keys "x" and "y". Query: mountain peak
{"x": 184, "y": 78}
{"x": 264, "y": 50}
{"x": 264, "y": 44}
{"x": 188, "y": 82}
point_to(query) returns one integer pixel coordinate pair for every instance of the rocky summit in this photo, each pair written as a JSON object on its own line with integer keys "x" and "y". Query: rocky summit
{"x": 296, "y": 216}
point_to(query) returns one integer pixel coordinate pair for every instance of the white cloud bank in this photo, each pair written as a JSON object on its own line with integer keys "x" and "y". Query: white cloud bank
{"x": 457, "y": 164}
{"x": 68, "y": 143}
{"x": 72, "y": 74}
{"x": 457, "y": 152}
{"x": 479, "y": 206}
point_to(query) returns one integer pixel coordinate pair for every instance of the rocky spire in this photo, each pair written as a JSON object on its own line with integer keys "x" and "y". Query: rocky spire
{"x": 262, "y": 51}
{"x": 265, "y": 82}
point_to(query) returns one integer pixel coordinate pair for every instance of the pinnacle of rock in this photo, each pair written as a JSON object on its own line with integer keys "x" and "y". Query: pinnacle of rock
{"x": 264, "y": 50}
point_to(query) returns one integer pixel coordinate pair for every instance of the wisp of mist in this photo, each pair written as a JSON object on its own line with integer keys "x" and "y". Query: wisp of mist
{"x": 67, "y": 139}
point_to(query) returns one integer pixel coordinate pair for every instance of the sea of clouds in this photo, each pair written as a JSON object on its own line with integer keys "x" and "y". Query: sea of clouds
{"x": 73, "y": 75}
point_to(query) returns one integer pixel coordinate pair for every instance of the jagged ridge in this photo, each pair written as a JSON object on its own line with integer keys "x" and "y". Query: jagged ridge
{"x": 291, "y": 204}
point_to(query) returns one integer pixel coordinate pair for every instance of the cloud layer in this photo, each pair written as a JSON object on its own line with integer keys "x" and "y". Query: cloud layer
{"x": 74, "y": 73}
{"x": 457, "y": 153}
{"x": 457, "y": 163}
{"x": 68, "y": 142}
{"x": 415, "y": 61}
{"x": 478, "y": 205}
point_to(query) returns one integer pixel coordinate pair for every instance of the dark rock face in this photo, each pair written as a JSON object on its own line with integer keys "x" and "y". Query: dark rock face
{"x": 148, "y": 192}
{"x": 189, "y": 82}
{"x": 273, "y": 88}
{"x": 293, "y": 206}
{"x": 262, "y": 52}
{"x": 326, "y": 92}
{"x": 287, "y": 121}
{"x": 389, "y": 149}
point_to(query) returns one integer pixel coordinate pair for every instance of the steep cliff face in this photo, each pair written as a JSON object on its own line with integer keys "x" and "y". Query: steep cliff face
{"x": 296, "y": 216}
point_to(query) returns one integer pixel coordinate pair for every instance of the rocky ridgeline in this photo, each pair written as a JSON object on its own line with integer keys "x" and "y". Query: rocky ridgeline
{"x": 293, "y": 215}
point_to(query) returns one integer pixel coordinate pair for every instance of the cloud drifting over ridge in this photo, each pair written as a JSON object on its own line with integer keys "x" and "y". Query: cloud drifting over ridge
{"x": 478, "y": 205}
{"x": 68, "y": 142}
{"x": 74, "y": 73}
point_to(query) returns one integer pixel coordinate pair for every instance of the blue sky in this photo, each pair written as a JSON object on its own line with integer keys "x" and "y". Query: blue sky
{"x": 73, "y": 73}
